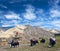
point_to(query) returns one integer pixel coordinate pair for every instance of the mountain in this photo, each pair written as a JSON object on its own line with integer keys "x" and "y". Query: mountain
{"x": 26, "y": 32}
{"x": 53, "y": 31}
{"x": 36, "y": 31}
{"x": 5, "y": 28}
{"x": 1, "y": 31}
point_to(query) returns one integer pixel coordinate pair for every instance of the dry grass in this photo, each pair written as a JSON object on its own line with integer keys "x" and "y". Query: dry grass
{"x": 38, "y": 47}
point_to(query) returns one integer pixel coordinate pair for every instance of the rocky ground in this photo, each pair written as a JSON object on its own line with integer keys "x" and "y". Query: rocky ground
{"x": 37, "y": 47}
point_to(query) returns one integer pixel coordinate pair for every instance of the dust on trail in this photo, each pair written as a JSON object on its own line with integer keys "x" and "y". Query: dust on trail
{"x": 27, "y": 47}
{"x": 2, "y": 49}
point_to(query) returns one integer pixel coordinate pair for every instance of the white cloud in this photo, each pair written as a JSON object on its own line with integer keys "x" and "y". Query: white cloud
{"x": 15, "y": 22}
{"x": 3, "y": 6}
{"x": 33, "y": 23}
{"x": 55, "y": 10}
{"x": 55, "y": 13}
{"x": 56, "y": 23}
{"x": 12, "y": 15}
{"x": 40, "y": 19}
{"x": 37, "y": 23}
{"x": 10, "y": 19}
{"x": 14, "y": 1}
{"x": 6, "y": 23}
{"x": 54, "y": 3}
{"x": 40, "y": 11}
{"x": 30, "y": 15}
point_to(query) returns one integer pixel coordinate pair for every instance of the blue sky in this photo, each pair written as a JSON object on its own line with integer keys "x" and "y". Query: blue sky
{"x": 44, "y": 13}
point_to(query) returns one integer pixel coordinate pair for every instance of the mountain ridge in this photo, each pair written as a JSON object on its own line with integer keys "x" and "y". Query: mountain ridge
{"x": 27, "y": 32}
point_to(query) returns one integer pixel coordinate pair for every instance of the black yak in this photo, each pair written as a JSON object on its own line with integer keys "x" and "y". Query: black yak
{"x": 14, "y": 44}
{"x": 33, "y": 42}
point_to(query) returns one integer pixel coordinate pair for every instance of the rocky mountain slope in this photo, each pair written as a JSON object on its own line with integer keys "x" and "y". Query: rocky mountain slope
{"x": 26, "y": 32}
{"x": 53, "y": 31}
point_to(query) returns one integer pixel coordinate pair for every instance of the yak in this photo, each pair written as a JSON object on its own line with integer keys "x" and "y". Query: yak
{"x": 14, "y": 44}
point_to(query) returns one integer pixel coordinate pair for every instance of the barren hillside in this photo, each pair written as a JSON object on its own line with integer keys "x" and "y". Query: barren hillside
{"x": 26, "y": 32}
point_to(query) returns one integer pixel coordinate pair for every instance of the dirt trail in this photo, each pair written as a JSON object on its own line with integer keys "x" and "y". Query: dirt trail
{"x": 2, "y": 49}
